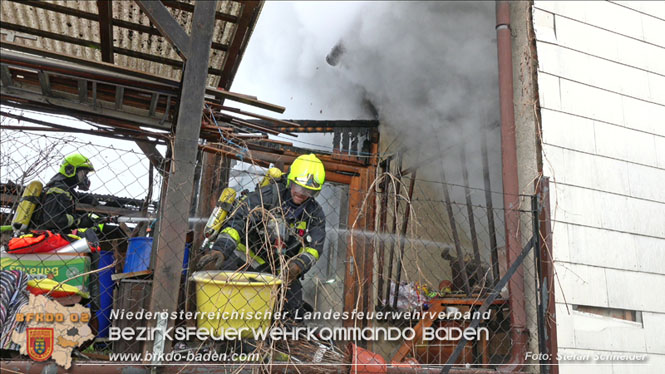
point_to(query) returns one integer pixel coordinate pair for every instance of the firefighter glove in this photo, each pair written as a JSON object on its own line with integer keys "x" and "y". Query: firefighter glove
{"x": 293, "y": 270}
{"x": 212, "y": 260}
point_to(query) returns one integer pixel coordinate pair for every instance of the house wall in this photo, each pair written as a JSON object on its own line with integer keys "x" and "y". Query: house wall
{"x": 601, "y": 86}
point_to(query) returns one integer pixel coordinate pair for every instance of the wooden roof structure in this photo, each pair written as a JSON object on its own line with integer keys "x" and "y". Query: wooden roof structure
{"x": 108, "y": 61}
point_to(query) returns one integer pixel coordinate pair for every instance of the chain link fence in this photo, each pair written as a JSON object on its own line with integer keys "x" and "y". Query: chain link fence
{"x": 430, "y": 247}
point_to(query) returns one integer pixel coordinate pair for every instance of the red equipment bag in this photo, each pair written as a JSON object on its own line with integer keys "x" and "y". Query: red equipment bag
{"x": 37, "y": 242}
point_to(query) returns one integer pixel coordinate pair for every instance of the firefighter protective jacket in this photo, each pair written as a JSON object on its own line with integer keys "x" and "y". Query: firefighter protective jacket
{"x": 58, "y": 205}
{"x": 306, "y": 225}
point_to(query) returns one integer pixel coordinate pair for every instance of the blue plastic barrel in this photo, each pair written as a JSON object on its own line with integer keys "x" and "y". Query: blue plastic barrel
{"x": 105, "y": 293}
{"x": 138, "y": 255}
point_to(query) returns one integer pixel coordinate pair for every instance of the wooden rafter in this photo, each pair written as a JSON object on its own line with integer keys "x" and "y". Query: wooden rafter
{"x": 244, "y": 27}
{"x": 106, "y": 29}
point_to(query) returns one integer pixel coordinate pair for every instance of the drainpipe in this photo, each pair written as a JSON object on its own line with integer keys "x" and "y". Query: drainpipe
{"x": 510, "y": 186}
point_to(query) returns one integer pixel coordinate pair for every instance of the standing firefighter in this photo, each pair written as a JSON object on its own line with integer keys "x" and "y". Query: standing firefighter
{"x": 58, "y": 213}
{"x": 59, "y": 197}
{"x": 295, "y": 228}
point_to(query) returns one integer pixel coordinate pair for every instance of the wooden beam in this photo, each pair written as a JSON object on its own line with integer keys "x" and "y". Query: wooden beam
{"x": 71, "y": 106}
{"x": 336, "y": 176}
{"x": 106, "y": 29}
{"x": 167, "y": 25}
{"x": 244, "y": 27}
{"x": 239, "y": 122}
{"x": 169, "y": 83}
{"x": 267, "y": 120}
{"x": 190, "y": 8}
{"x": 152, "y": 154}
{"x": 112, "y": 134}
{"x": 169, "y": 246}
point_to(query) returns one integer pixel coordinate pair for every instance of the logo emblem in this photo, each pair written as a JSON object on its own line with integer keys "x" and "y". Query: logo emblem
{"x": 40, "y": 343}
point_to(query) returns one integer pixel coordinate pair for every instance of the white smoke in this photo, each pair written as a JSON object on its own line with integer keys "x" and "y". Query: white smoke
{"x": 429, "y": 68}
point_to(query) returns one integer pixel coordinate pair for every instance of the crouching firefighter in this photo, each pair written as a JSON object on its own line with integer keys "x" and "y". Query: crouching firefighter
{"x": 298, "y": 233}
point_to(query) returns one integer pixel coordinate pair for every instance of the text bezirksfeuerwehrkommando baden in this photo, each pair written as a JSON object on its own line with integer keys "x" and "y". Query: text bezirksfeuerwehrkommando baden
{"x": 146, "y": 333}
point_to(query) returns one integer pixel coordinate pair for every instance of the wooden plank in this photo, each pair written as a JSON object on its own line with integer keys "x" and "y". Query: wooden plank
{"x": 275, "y": 141}
{"x": 271, "y": 121}
{"x": 131, "y": 295}
{"x": 245, "y": 99}
{"x": 135, "y": 274}
{"x": 239, "y": 122}
{"x": 407, "y": 345}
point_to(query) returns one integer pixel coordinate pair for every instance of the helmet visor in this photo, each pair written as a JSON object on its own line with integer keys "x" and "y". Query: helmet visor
{"x": 300, "y": 190}
{"x": 308, "y": 181}
{"x": 83, "y": 181}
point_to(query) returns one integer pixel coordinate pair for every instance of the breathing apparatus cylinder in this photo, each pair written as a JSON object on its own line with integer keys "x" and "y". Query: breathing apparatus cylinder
{"x": 219, "y": 214}
{"x": 271, "y": 176}
{"x": 26, "y": 207}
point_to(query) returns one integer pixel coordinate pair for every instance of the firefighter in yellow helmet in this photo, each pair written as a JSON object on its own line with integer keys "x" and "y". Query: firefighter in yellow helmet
{"x": 291, "y": 199}
{"x": 60, "y": 196}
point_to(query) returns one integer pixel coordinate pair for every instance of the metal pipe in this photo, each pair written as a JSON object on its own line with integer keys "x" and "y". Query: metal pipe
{"x": 510, "y": 185}
{"x": 129, "y": 219}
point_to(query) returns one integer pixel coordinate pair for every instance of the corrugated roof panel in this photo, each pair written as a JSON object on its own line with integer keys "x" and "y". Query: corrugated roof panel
{"x": 142, "y": 42}
{"x": 56, "y": 23}
{"x": 139, "y": 50}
